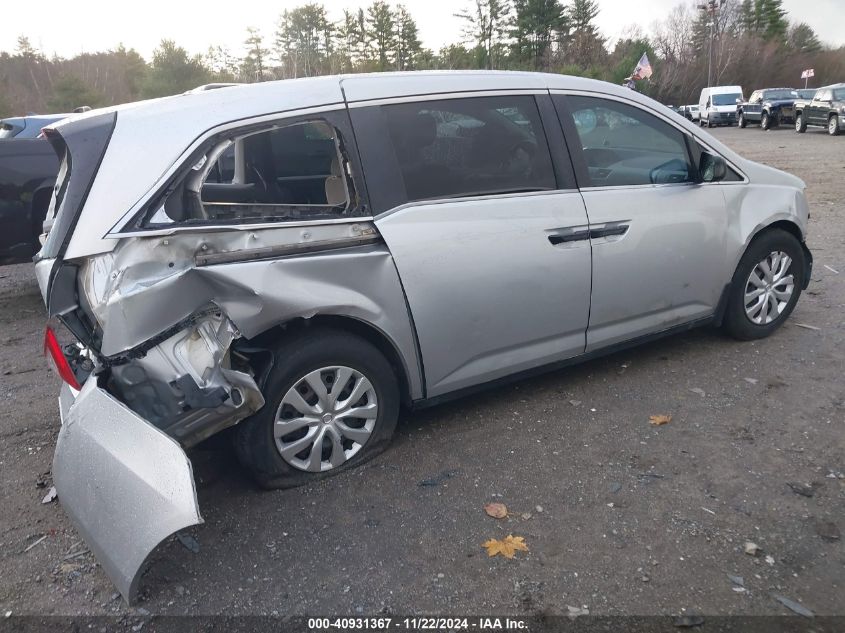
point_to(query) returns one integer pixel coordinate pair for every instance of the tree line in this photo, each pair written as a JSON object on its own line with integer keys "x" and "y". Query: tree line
{"x": 752, "y": 43}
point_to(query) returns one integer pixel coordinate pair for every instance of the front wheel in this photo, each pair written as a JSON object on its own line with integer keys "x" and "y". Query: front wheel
{"x": 766, "y": 121}
{"x": 332, "y": 402}
{"x": 833, "y": 126}
{"x": 742, "y": 122}
{"x": 800, "y": 124}
{"x": 765, "y": 286}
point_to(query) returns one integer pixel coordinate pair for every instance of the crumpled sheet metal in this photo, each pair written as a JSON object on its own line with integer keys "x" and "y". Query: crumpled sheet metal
{"x": 360, "y": 282}
{"x": 124, "y": 484}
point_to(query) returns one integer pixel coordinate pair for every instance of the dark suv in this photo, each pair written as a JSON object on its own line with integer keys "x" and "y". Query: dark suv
{"x": 768, "y": 107}
{"x": 825, "y": 109}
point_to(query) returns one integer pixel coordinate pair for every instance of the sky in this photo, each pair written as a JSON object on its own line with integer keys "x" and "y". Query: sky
{"x": 94, "y": 25}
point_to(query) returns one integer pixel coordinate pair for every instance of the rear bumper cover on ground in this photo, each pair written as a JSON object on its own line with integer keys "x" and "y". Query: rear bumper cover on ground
{"x": 125, "y": 485}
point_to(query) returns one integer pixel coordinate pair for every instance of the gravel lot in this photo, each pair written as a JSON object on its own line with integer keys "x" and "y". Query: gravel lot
{"x": 620, "y": 516}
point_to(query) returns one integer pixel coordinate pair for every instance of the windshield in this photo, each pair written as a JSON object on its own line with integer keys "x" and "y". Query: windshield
{"x": 726, "y": 99}
{"x": 779, "y": 94}
{"x": 7, "y": 130}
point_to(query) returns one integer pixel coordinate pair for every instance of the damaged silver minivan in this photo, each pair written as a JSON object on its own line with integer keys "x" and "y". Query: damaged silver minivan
{"x": 300, "y": 258}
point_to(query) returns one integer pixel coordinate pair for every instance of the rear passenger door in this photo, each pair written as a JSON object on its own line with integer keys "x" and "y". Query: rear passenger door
{"x": 658, "y": 236}
{"x": 488, "y": 233}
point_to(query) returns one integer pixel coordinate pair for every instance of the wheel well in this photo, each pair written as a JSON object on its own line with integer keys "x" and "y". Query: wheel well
{"x": 786, "y": 225}
{"x": 267, "y": 340}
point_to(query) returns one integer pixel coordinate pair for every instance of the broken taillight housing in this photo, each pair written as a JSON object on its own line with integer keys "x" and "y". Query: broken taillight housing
{"x": 57, "y": 360}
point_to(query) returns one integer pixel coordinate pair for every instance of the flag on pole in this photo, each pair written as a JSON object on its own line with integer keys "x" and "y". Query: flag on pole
{"x": 806, "y": 74}
{"x": 643, "y": 69}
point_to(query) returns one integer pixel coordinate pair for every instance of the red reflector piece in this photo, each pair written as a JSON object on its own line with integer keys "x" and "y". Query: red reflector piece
{"x": 56, "y": 359}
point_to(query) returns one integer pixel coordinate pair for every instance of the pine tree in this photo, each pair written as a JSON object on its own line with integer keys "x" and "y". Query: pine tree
{"x": 381, "y": 34}
{"x": 408, "y": 45}
{"x": 535, "y": 22}
{"x": 585, "y": 45}
{"x": 254, "y": 67}
{"x": 803, "y": 39}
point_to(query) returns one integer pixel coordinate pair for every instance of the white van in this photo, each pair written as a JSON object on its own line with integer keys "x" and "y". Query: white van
{"x": 717, "y": 105}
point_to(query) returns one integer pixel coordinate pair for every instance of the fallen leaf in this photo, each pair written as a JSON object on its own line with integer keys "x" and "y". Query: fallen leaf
{"x": 752, "y": 549}
{"x": 496, "y": 510}
{"x": 659, "y": 420}
{"x": 50, "y": 496}
{"x": 507, "y": 547}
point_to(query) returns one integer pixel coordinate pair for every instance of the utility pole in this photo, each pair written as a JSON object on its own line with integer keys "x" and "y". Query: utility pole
{"x": 712, "y": 7}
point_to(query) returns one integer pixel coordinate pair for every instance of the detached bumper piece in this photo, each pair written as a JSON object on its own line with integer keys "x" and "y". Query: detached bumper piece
{"x": 125, "y": 484}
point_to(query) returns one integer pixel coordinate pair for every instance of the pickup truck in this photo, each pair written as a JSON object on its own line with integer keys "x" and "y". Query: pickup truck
{"x": 826, "y": 109}
{"x": 769, "y": 107}
{"x": 28, "y": 168}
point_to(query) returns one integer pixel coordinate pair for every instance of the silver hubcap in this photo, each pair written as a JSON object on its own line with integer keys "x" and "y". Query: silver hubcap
{"x": 769, "y": 288}
{"x": 833, "y": 124}
{"x": 325, "y": 418}
{"x": 798, "y": 123}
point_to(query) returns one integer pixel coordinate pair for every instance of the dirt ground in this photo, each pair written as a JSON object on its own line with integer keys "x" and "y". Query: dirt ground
{"x": 620, "y": 516}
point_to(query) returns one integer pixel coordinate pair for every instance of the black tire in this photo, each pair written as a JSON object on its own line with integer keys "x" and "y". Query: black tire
{"x": 742, "y": 122}
{"x": 800, "y": 124}
{"x": 736, "y": 322}
{"x": 765, "y": 121}
{"x": 314, "y": 349}
{"x": 833, "y": 125}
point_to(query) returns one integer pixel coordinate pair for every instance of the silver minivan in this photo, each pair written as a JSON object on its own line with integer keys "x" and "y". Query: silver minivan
{"x": 299, "y": 259}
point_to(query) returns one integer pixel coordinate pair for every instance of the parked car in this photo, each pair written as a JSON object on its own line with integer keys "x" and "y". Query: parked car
{"x": 717, "y": 105}
{"x": 826, "y": 109}
{"x": 689, "y": 112}
{"x": 29, "y": 126}
{"x": 28, "y": 169}
{"x": 769, "y": 107}
{"x": 372, "y": 241}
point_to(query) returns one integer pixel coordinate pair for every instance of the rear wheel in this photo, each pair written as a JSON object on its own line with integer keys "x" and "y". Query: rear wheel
{"x": 765, "y": 286}
{"x": 332, "y": 402}
{"x": 833, "y": 125}
{"x": 800, "y": 124}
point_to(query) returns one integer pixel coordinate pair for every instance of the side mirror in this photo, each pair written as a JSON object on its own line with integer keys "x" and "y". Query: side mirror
{"x": 712, "y": 168}
{"x": 739, "y": 100}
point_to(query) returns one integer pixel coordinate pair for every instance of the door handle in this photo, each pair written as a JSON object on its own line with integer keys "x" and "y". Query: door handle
{"x": 608, "y": 231}
{"x": 574, "y": 236}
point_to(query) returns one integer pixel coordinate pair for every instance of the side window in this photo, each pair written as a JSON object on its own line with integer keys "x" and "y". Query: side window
{"x": 288, "y": 172}
{"x": 624, "y": 145}
{"x": 470, "y": 146}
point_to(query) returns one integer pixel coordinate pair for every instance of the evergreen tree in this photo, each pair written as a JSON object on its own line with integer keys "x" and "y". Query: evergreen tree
{"x": 535, "y": 22}
{"x": 304, "y": 37}
{"x": 585, "y": 45}
{"x": 381, "y": 34}
{"x": 254, "y": 66}
{"x": 173, "y": 71}
{"x": 71, "y": 92}
{"x": 803, "y": 39}
{"x": 408, "y": 45}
